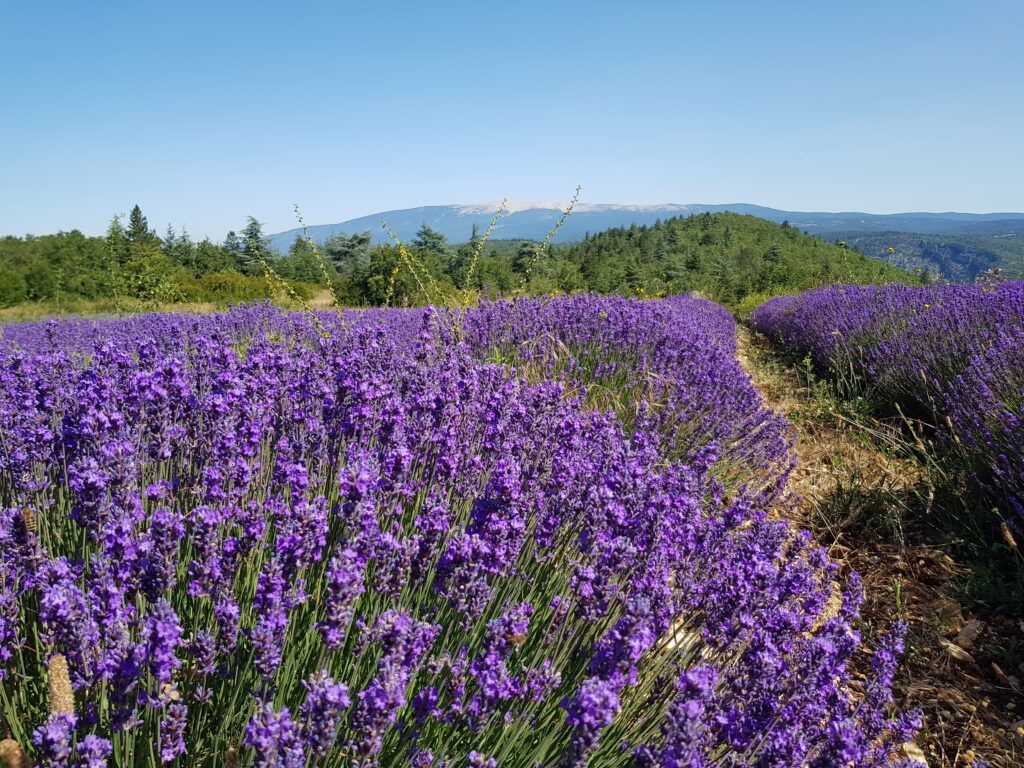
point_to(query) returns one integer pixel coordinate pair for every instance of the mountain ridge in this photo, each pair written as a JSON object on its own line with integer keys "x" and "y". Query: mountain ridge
{"x": 533, "y": 220}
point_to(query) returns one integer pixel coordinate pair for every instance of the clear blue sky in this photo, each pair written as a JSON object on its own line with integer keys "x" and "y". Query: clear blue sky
{"x": 204, "y": 112}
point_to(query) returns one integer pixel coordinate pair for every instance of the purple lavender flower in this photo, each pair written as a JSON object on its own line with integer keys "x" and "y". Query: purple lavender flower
{"x": 344, "y": 585}
{"x": 172, "y": 732}
{"x": 322, "y": 712}
{"x": 203, "y": 648}
{"x": 53, "y": 740}
{"x": 67, "y": 621}
{"x": 163, "y": 636}
{"x": 459, "y": 488}
{"x": 94, "y": 751}
{"x": 404, "y": 643}
{"x": 9, "y": 619}
{"x": 158, "y": 563}
{"x": 272, "y": 603}
{"x": 592, "y": 708}
{"x": 122, "y": 667}
{"x": 274, "y": 738}
{"x": 684, "y": 726}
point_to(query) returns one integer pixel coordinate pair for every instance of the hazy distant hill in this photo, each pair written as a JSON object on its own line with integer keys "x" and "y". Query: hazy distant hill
{"x": 534, "y": 220}
{"x": 958, "y": 258}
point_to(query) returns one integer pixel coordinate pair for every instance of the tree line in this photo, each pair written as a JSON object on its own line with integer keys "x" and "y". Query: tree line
{"x": 734, "y": 259}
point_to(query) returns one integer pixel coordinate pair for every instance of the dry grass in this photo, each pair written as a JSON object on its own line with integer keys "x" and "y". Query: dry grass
{"x": 835, "y": 456}
{"x": 869, "y": 505}
{"x": 40, "y": 310}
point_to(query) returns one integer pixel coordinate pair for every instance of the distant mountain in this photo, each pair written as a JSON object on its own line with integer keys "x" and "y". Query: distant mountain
{"x": 533, "y": 220}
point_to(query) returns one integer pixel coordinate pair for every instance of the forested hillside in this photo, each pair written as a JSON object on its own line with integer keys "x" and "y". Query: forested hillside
{"x": 731, "y": 258}
{"x": 737, "y": 260}
{"x": 734, "y": 259}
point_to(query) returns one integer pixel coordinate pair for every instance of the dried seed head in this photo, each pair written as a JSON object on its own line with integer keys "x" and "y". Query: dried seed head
{"x": 12, "y": 755}
{"x": 62, "y": 698}
{"x": 1008, "y": 536}
{"x": 232, "y": 759}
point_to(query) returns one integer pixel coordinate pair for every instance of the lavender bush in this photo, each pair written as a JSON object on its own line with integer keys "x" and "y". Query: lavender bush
{"x": 386, "y": 539}
{"x": 951, "y": 355}
{"x": 667, "y": 368}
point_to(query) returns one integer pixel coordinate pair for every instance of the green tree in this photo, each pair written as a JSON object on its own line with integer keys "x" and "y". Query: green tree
{"x": 633, "y": 277}
{"x": 430, "y": 240}
{"x": 117, "y": 242}
{"x": 40, "y": 281}
{"x": 496, "y": 275}
{"x": 12, "y": 287}
{"x": 179, "y": 248}
{"x": 459, "y": 265}
{"x": 524, "y": 257}
{"x": 140, "y": 237}
{"x": 208, "y": 258}
{"x": 232, "y": 243}
{"x": 343, "y": 251}
{"x": 301, "y": 263}
{"x": 150, "y": 278}
{"x": 381, "y": 278}
{"x": 255, "y": 248}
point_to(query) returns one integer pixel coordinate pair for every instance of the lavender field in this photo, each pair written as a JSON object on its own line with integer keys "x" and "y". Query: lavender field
{"x": 541, "y": 532}
{"x": 950, "y": 356}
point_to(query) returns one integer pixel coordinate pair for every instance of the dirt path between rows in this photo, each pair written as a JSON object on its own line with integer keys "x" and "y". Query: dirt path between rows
{"x": 865, "y": 504}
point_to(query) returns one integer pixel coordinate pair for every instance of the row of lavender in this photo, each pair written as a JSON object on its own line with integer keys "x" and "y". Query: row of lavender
{"x": 271, "y": 539}
{"x": 952, "y": 355}
{"x": 668, "y": 369}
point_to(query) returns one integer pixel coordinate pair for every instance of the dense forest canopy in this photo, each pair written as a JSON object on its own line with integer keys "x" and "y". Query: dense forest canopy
{"x": 728, "y": 257}
{"x": 133, "y": 261}
{"x": 735, "y": 259}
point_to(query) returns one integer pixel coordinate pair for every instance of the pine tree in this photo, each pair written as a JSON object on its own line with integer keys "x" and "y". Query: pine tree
{"x": 430, "y": 240}
{"x": 178, "y": 247}
{"x": 524, "y": 257}
{"x": 301, "y": 263}
{"x": 117, "y": 242}
{"x": 138, "y": 229}
{"x": 633, "y": 278}
{"x": 254, "y": 248}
